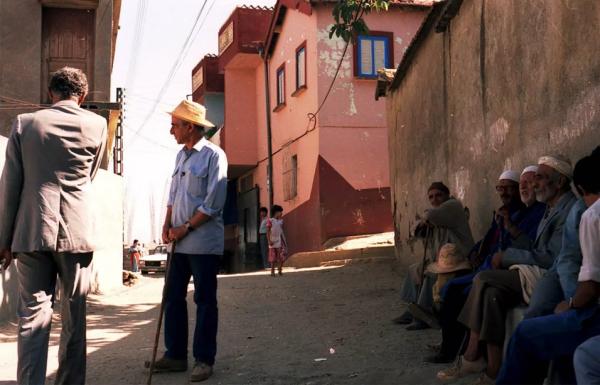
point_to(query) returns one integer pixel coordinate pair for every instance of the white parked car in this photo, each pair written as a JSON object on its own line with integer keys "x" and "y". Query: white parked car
{"x": 156, "y": 262}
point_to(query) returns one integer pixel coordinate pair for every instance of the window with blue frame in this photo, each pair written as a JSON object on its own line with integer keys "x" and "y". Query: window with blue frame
{"x": 372, "y": 52}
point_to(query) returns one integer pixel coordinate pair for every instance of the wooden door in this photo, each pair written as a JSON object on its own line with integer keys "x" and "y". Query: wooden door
{"x": 67, "y": 40}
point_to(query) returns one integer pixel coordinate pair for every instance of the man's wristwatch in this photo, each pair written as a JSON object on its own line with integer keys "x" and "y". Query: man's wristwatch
{"x": 188, "y": 227}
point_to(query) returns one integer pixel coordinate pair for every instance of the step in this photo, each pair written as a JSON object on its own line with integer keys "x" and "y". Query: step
{"x": 317, "y": 258}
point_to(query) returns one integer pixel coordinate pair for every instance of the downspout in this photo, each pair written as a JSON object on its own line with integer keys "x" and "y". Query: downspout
{"x": 261, "y": 50}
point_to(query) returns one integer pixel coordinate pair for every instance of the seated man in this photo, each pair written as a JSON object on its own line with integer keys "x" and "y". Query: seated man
{"x": 445, "y": 222}
{"x": 518, "y": 227}
{"x": 539, "y": 340}
{"x": 496, "y": 291}
{"x": 560, "y": 281}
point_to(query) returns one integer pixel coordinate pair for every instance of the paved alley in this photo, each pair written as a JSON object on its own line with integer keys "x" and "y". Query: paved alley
{"x": 319, "y": 326}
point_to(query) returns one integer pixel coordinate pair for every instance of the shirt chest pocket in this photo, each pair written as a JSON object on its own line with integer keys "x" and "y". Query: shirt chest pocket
{"x": 198, "y": 181}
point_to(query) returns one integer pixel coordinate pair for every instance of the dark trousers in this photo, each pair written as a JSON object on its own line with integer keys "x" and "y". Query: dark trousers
{"x": 453, "y": 332}
{"x": 204, "y": 269}
{"x": 537, "y": 341}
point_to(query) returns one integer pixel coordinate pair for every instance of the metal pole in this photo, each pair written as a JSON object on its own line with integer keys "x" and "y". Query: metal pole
{"x": 262, "y": 52}
{"x": 118, "y": 147}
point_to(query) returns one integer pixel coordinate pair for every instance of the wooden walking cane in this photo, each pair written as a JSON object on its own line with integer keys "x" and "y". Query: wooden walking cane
{"x": 170, "y": 252}
{"x": 427, "y": 236}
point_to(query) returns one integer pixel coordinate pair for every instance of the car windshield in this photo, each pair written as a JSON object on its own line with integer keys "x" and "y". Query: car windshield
{"x": 160, "y": 250}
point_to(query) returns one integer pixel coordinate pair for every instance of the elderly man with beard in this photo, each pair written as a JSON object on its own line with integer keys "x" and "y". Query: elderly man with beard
{"x": 515, "y": 226}
{"x": 537, "y": 341}
{"x": 497, "y": 291}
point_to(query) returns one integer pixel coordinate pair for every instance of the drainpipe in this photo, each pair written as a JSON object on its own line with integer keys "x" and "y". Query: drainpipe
{"x": 261, "y": 51}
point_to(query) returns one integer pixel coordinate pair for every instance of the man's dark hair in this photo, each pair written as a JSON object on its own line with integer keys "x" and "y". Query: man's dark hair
{"x": 585, "y": 173}
{"x": 439, "y": 186}
{"x": 264, "y": 210}
{"x": 198, "y": 127}
{"x": 276, "y": 209}
{"x": 68, "y": 82}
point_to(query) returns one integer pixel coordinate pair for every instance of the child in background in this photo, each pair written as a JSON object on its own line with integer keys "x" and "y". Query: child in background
{"x": 277, "y": 243}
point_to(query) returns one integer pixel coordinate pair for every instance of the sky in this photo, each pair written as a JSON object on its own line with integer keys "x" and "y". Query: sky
{"x": 154, "y": 64}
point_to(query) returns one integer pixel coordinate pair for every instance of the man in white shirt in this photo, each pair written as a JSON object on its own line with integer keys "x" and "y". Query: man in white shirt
{"x": 537, "y": 341}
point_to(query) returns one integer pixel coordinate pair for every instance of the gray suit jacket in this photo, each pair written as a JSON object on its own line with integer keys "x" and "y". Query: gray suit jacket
{"x": 548, "y": 241}
{"x": 45, "y": 190}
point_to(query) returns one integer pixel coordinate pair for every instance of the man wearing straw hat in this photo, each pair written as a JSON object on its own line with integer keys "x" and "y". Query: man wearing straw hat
{"x": 195, "y": 221}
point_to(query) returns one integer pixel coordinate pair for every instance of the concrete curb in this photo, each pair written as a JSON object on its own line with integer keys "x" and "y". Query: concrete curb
{"x": 341, "y": 257}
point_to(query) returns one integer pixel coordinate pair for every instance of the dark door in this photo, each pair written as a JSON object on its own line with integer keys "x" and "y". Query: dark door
{"x": 67, "y": 40}
{"x": 248, "y": 228}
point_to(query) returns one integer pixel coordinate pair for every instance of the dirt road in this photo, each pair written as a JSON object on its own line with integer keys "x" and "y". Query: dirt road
{"x": 320, "y": 326}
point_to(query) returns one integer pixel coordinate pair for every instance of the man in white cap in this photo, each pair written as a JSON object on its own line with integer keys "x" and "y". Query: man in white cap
{"x": 515, "y": 226}
{"x": 195, "y": 221}
{"x": 496, "y": 291}
{"x": 555, "y": 337}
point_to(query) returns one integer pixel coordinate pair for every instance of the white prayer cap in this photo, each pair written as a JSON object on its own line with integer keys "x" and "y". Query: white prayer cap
{"x": 560, "y": 163}
{"x": 510, "y": 175}
{"x": 529, "y": 169}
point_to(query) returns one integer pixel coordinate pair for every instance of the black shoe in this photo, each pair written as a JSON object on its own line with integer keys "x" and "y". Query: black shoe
{"x": 404, "y": 319}
{"x": 424, "y": 315}
{"x": 417, "y": 325}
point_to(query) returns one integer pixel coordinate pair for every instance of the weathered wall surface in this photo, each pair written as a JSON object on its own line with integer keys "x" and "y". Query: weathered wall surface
{"x": 108, "y": 256}
{"x": 507, "y": 82}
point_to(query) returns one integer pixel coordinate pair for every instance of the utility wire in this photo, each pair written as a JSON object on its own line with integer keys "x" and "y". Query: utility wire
{"x": 173, "y": 70}
{"x": 138, "y": 36}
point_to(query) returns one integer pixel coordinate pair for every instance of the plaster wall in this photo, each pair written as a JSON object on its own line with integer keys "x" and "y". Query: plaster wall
{"x": 240, "y": 116}
{"x": 505, "y": 84}
{"x": 292, "y": 121}
{"x": 353, "y": 134}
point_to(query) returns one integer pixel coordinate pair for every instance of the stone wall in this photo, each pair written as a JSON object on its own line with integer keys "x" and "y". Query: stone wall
{"x": 507, "y": 82}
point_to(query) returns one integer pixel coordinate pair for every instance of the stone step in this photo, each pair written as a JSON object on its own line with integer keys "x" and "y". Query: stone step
{"x": 319, "y": 258}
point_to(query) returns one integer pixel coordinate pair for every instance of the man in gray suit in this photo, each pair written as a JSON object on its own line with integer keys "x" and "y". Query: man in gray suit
{"x": 46, "y": 223}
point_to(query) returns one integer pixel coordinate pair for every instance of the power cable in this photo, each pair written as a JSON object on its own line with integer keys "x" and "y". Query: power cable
{"x": 174, "y": 68}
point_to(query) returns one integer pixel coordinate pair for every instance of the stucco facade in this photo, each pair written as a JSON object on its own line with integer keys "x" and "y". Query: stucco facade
{"x": 503, "y": 83}
{"x": 343, "y": 183}
{"x": 342, "y": 177}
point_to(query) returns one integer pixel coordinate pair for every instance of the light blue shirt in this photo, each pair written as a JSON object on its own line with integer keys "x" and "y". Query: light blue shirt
{"x": 199, "y": 183}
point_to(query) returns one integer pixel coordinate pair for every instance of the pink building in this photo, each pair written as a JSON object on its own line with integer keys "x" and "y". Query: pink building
{"x": 330, "y": 174}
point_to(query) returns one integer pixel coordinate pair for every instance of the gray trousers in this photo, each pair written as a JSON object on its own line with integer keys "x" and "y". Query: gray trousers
{"x": 37, "y": 273}
{"x": 410, "y": 288}
{"x": 493, "y": 294}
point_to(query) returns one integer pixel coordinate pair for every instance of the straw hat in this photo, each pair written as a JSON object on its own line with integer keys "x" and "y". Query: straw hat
{"x": 191, "y": 112}
{"x": 448, "y": 261}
